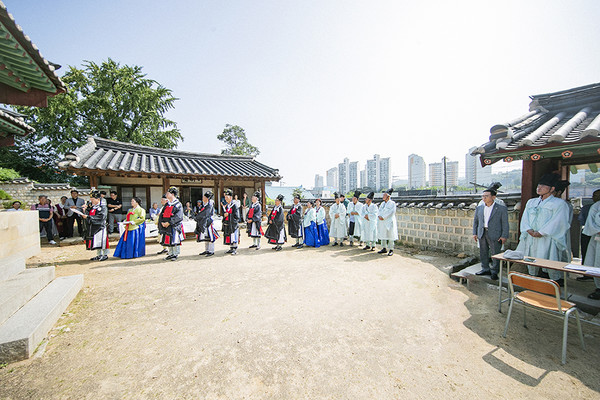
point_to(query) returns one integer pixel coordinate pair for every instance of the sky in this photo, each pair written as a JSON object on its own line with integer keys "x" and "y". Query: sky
{"x": 313, "y": 82}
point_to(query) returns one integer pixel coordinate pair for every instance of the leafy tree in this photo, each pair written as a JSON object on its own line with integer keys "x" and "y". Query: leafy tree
{"x": 298, "y": 191}
{"x": 237, "y": 143}
{"x": 105, "y": 100}
{"x": 8, "y": 174}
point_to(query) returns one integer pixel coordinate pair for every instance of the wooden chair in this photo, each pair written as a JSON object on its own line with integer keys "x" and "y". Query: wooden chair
{"x": 542, "y": 295}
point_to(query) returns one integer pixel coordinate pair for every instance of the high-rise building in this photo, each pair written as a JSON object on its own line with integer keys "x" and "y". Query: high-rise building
{"x": 416, "y": 172}
{"x": 474, "y": 172}
{"x": 379, "y": 173}
{"x": 332, "y": 178}
{"x": 318, "y": 181}
{"x": 363, "y": 178}
{"x": 436, "y": 173}
{"x": 347, "y": 176}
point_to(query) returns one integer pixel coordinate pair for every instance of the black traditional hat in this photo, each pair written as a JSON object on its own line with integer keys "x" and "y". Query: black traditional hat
{"x": 548, "y": 180}
{"x": 356, "y": 194}
{"x": 95, "y": 194}
{"x": 280, "y": 197}
{"x": 164, "y": 196}
{"x": 336, "y": 195}
{"x": 561, "y": 185}
{"x": 389, "y": 191}
{"x": 342, "y": 195}
{"x": 297, "y": 196}
{"x": 208, "y": 194}
{"x": 371, "y": 195}
{"x": 256, "y": 194}
{"x": 495, "y": 186}
{"x": 228, "y": 192}
{"x": 491, "y": 190}
{"x": 173, "y": 190}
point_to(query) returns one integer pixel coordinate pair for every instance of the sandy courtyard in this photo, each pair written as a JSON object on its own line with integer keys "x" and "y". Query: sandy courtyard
{"x": 328, "y": 323}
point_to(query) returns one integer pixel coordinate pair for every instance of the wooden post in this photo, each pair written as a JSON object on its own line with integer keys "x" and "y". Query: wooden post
{"x": 94, "y": 181}
{"x": 263, "y": 197}
{"x": 220, "y": 194}
{"x": 166, "y": 184}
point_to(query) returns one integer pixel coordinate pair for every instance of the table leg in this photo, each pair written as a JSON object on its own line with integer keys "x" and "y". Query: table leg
{"x": 566, "y": 291}
{"x": 500, "y": 287}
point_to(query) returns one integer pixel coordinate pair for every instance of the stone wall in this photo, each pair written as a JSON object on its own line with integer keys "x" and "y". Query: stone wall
{"x": 28, "y": 192}
{"x": 19, "y": 234}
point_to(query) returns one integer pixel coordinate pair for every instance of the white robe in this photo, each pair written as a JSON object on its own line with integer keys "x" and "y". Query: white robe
{"x": 357, "y": 219}
{"x": 309, "y": 216}
{"x": 550, "y": 218}
{"x": 388, "y": 228}
{"x": 320, "y": 214}
{"x": 338, "y": 225}
{"x": 369, "y": 227}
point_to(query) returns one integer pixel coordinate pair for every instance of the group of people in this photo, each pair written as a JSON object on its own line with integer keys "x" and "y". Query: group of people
{"x": 545, "y": 230}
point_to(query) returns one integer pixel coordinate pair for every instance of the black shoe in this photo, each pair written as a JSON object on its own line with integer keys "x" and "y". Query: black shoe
{"x": 382, "y": 251}
{"x": 257, "y": 247}
{"x": 209, "y": 254}
{"x": 279, "y": 248}
{"x": 341, "y": 244}
{"x": 163, "y": 251}
{"x": 275, "y": 248}
{"x": 335, "y": 244}
{"x": 229, "y": 251}
{"x": 366, "y": 248}
{"x": 234, "y": 252}
{"x": 494, "y": 276}
{"x": 373, "y": 248}
{"x": 595, "y": 295}
{"x": 103, "y": 258}
{"x": 173, "y": 258}
{"x": 483, "y": 272}
{"x": 169, "y": 257}
{"x": 253, "y": 246}
{"x": 300, "y": 246}
{"x": 95, "y": 258}
{"x": 391, "y": 253}
{"x": 585, "y": 278}
{"x": 295, "y": 245}
{"x": 203, "y": 253}
{"x": 560, "y": 282}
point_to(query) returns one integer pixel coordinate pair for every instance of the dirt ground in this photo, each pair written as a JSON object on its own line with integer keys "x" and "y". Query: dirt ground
{"x": 328, "y": 323}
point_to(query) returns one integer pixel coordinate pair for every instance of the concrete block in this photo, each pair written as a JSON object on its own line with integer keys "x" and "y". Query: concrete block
{"x": 11, "y": 266}
{"x": 24, "y": 331}
{"x": 449, "y": 229}
{"x": 458, "y": 231}
{"x": 455, "y": 222}
{"x": 446, "y": 221}
{"x": 19, "y": 234}
{"x": 466, "y": 222}
{"x": 437, "y": 220}
{"x": 18, "y": 290}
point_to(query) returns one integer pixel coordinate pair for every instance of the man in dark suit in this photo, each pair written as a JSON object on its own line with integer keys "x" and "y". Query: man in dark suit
{"x": 490, "y": 228}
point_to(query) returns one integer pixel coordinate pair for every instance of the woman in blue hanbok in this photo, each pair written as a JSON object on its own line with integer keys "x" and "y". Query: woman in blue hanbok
{"x": 133, "y": 241}
{"x": 322, "y": 231}
{"x": 311, "y": 237}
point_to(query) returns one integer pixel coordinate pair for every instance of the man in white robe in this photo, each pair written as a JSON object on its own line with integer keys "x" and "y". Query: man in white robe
{"x": 387, "y": 227}
{"x": 368, "y": 217}
{"x": 337, "y": 214}
{"x": 592, "y": 256}
{"x": 354, "y": 210}
{"x": 544, "y": 224}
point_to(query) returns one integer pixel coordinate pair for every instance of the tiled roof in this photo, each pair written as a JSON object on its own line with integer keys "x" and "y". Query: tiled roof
{"x": 109, "y": 155}
{"x": 22, "y": 66}
{"x": 565, "y": 121}
{"x": 12, "y": 123}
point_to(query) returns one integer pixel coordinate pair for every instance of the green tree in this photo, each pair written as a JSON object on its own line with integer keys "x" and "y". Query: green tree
{"x": 8, "y": 174}
{"x": 237, "y": 144}
{"x": 297, "y": 191}
{"x": 106, "y": 100}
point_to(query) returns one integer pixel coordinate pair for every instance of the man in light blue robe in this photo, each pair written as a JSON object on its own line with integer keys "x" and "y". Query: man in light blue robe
{"x": 387, "y": 226}
{"x": 592, "y": 256}
{"x": 544, "y": 225}
{"x": 337, "y": 214}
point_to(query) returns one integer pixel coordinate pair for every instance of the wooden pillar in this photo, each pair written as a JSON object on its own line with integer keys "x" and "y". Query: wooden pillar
{"x": 263, "y": 197}
{"x": 94, "y": 181}
{"x": 220, "y": 195}
{"x": 166, "y": 184}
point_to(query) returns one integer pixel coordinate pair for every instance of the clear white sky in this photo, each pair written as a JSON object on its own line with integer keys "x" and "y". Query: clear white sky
{"x": 313, "y": 82}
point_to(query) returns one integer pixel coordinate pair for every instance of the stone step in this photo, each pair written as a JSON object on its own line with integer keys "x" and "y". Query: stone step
{"x": 25, "y": 330}
{"x": 11, "y": 266}
{"x": 18, "y": 290}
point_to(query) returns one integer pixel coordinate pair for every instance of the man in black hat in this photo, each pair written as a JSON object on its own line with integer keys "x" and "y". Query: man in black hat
{"x": 205, "y": 231}
{"x": 387, "y": 226}
{"x": 294, "y": 219}
{"x": 369, "y": 214}
{"x": 254, "y": 221}
{"x": 276, "y": 230}
{"x": 170, "y": 224}
{"x": 163, "y": 203}
{"x": 354, "y": 210}
{"x": 231, "y": 220}
{"x": 490, "y": 229}
{"x": 96, "y": 235}
{"x": 544, "y": 225}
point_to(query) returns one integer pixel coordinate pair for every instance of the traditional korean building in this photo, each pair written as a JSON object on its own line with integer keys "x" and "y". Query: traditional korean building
{"x": 147, "y": 172}
{"x": 559, "y": 133}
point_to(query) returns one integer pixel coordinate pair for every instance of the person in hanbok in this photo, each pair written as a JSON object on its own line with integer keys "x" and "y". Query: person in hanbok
{"x": 96, "y": 232}
{"x": 353, "y": 210}
{"x": 205, "y": 231}
{"x": 132, "y": 243}
{"x": 254, "y": 221}
{"x": 368, "y": 215}
{"x": 544, "y": 224}
{"x": 309, "y": 223}
{"x": 231, "y": 220}
{"x": 294, "y": 220}
{"x": 188, "y": 211}
{"x": 592, "y": 256}
{"x": 387, "y": 227}
{"x": 337, "y": 214}
{"x": 163, "y": 203}
{"x": 560, "y": 188}
{"x": 276, "y": 228}
{"x": 170, "y": 225}
{"x": 322, "y": 231}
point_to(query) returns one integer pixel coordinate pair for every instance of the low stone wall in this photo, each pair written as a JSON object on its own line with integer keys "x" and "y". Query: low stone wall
{"x": 19, "y": 234}
{"x": 28, "y": 192}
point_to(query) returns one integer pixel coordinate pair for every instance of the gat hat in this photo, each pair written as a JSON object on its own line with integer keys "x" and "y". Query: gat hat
{"x": 389, "y": 191}
{"x": 164, "y": 196}
{"x": 548, "y": 180}
{"x": 297, "y": 196}
{"x": 228, "y": 192}
{"x": 561, "y": 185}
{"x": 256, "y": 194}
{"x": 371, "y": 195}
{"x": 208, "y": 194}
{"x": 279, "y": 197}
{"x": 336, "y": 195}
{"x": 495, "y": 186}
{"x": 95, "y": 194}
{"x": 173, "y": 190}
{"x": 356, "y": 194}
